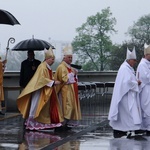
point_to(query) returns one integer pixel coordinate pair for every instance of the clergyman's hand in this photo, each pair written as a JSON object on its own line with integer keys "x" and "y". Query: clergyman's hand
{"x": 139, "y": 82}
{"x": 57, "y": 82}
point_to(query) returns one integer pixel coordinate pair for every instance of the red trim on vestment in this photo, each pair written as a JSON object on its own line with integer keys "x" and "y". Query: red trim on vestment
{"x": 53, "y": 104}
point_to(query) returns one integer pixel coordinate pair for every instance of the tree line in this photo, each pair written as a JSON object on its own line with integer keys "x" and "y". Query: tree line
{"x": 93, "y": 46}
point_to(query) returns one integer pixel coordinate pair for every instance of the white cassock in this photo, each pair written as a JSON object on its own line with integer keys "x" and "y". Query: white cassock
{"x": 143, "y": 71}
{"x": 125, "y": 112}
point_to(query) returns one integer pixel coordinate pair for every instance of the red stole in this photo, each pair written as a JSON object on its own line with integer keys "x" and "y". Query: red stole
{"x": 53, "y": 104}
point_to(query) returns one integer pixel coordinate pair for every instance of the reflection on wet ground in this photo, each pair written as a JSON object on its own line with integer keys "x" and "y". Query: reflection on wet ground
{"x": 13, "y": 136}
{"x": 106, "y": 143}
{"x": 92, "y": 133}
{"x": 36, "y": 140}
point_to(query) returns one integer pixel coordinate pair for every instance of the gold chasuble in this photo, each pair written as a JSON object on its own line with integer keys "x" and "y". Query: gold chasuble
{"x": 48, "y": 108}
{"x": 1, "y": 82}
{"x": 68, "y": 93}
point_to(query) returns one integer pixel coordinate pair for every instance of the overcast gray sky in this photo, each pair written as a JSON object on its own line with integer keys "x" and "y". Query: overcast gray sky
{"x": 58, "y": 19}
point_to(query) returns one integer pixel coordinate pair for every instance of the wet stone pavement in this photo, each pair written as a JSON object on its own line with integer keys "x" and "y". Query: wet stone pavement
{"x": 93, "y": 133}
{"x": 90, "y": 135}
{"x": 14, "y": 137}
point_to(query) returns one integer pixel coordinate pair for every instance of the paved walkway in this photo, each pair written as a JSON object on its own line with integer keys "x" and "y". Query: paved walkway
{"x": 13, "y": 136}
{"x": 94, "y": 133}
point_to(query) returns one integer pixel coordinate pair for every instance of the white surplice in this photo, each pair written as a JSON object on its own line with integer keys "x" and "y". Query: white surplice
{"x": 125, "y": 112}
{"x": 143, "y": 72}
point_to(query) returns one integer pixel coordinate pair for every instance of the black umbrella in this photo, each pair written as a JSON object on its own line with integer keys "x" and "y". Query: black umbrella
{"x": 7, "y": 18}
{"x": 32, "y": 44}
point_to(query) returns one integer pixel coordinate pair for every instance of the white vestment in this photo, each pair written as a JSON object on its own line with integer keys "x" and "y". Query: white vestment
{"x": 143, "y": 73}
{"x": 125, "y": 112}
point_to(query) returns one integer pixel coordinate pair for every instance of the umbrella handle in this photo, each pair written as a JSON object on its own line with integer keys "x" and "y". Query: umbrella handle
{"x": 10, "y": 40}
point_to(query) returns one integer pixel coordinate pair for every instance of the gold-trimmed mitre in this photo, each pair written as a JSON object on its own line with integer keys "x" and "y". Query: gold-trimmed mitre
{"x": 49, "y": 53}
{"x": 68, "y": 50}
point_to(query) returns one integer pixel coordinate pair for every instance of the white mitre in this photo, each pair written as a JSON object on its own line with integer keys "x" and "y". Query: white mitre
{"x": 68, "y": 50}
{"x": 146, "y": 49}
{"x": 131, "y": 55}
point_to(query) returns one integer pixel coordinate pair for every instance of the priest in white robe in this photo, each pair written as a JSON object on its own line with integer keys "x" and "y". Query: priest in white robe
{"x": 125, "y": 113}
{"x": 143, "y": 73}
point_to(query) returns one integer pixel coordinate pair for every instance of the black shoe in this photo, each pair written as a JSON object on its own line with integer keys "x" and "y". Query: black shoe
{"x": 119, "y": 134}
{"x": 2, "y": 113}
{"x": 66, "y": 128}
{"x": 62, "y": 129}
{"x": 139, "y": 131}
{"x": 59, "y": 129}
{"x": 148, "y": 133}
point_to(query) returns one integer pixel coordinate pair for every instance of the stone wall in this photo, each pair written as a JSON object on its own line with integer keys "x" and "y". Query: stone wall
{"x": 12, "y": 89}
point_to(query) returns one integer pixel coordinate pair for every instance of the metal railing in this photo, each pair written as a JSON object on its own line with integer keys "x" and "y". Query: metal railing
{"x": 90, "y": 93}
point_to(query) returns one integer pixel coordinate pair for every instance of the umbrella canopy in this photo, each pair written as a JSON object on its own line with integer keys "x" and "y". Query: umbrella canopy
{"x": 32, "y": 44}
{"x": 7, "y": 18}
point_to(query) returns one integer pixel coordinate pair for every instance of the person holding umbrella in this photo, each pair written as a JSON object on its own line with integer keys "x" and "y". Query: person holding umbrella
{"x": 38, "y": 102}
{"x": 28, "y": 68}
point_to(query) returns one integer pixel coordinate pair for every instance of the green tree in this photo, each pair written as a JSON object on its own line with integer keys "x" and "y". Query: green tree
{"x": 140, "y": 31}
{"x": 93, "y": 44}
{"x": 140, "y": 34}
{"x": 118, "y": 54}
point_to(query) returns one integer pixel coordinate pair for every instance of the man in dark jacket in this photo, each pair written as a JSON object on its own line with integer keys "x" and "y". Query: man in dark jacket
{"x": 28, "y": 68}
